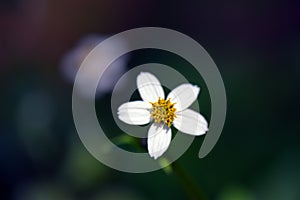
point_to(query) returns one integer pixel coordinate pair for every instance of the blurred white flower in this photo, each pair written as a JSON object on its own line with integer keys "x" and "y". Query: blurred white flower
{"x": 72, "y": 60}
{"x": 164, "y": 112}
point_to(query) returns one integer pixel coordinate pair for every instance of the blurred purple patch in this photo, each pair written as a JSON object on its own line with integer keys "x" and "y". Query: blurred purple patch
{"x": 72, "y": 60}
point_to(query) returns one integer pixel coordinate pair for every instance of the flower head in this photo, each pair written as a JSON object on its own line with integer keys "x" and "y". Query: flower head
{"x": 163, "y": 112}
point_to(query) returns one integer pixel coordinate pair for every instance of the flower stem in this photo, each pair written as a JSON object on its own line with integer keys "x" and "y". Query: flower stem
{"x": 189, "y": 185}
{"x": 191, "y": 188}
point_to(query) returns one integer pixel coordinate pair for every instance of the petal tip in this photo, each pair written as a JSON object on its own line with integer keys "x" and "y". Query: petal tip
{"x": 154, "y": 156}
{"x": 204, "y": 131}
{"x": 196, "y": 89}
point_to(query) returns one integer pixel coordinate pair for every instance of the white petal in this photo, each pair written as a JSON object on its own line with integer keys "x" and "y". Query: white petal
{"x": 135, "y": 112}
{"x": 159, "y": 138}
{"x": 190, "y": 122}
{"x": 149, "y": 87}
{"x": 184, "y": 95}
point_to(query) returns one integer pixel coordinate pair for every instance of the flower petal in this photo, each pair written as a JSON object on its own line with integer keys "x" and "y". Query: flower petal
{"x": 190, "y": 122}
{"x": 184, "y": 95}
{"x": 135, "y": 112}
{"x": 159, "y": 138}
{"x": 149, "y": 87}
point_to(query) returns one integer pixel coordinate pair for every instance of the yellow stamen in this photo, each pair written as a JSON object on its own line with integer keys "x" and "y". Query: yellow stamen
{"x": 163, "y": 111}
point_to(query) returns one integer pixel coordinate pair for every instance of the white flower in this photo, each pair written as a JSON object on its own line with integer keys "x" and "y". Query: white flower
{"x": 163, "y": 112}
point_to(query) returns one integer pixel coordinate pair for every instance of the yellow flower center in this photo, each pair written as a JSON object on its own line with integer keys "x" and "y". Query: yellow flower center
{"x": 163, "y": 111}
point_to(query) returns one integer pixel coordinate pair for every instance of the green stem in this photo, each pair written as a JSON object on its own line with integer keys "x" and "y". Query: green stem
{"x": 189, "y": 185}
{"x": 191, "y": 188}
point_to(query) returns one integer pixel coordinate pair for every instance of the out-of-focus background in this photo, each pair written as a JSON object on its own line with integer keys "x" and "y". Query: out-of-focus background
{"x": 255, "y": 44}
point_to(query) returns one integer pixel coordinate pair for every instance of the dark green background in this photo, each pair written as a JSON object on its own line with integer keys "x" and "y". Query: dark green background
{"x": 256, "y": 46}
